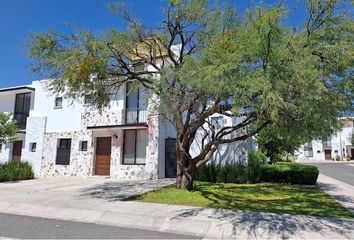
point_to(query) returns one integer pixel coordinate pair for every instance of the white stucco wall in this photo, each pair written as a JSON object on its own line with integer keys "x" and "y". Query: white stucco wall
{"x": 340, "y": 144}
{"x": 36, "y": 127}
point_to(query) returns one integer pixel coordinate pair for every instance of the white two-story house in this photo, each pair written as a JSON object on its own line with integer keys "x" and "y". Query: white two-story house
{"x": 127, "y": 140}
{"x": 335, "y": 147}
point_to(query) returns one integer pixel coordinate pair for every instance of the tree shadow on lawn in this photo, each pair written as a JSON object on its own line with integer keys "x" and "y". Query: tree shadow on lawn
{"x": 276, "y": 198}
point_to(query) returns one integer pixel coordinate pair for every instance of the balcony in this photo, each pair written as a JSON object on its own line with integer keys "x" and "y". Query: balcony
{"x": 21, "y": 120}
{"x": 134, "y": 116}
{"x": 327, "y": 143}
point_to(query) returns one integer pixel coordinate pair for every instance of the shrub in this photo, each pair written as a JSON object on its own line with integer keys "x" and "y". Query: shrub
{"x": 292, "y": 173}
{"x": 233, "y": 172}
{"x": 14, "y": 171}
{"x": 257, "y": 156}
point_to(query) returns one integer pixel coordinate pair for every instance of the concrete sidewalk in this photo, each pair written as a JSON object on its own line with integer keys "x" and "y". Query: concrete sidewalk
{"x": 342, "y": 192}
{"x": 94, "y": 201}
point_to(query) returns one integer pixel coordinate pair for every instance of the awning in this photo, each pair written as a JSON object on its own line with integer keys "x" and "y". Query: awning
{"x": 119, "y": 127}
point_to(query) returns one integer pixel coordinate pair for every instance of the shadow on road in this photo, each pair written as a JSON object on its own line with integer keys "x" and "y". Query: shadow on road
{"x": 122, "y": 190}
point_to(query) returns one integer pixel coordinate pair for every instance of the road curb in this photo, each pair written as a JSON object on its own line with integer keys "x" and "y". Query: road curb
{"x": 338, "y": 190}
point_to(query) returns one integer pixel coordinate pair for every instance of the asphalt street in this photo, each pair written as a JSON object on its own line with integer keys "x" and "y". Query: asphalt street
{"x": 340, "y": 171}
{"x": 16, "y": 226}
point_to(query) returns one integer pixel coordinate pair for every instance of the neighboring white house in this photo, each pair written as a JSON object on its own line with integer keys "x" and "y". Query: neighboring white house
{"x": 335, "y": 147}
{"x": 127, "y": 140}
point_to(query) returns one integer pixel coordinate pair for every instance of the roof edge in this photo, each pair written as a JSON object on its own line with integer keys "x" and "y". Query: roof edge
{"x": 17, "y": 88}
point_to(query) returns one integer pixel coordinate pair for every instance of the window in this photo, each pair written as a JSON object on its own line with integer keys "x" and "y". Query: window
{"x": 63, "y": 152}
{"x": 326, "y": 142}
{"x": 217, "y": 122}
{"x": 308, "y": 149}
{"x": 58, "y": 103}
{"x": 318, "y": 151}
{"x": 336, "y": 151}
{"x": 88, "y": 99}
{"x": 33, "y": 147}
{"x": 22, "y": 108}
{"x": 134, "y": 150}
{"x": 83, "y": 146}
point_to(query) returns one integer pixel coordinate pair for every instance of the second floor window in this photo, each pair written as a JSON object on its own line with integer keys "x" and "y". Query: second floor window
{"x": 58, "y": 103}
{"x": 22, "y": 108}
{"x": 217, "y": 122}
{"x": 308, "y": 150}
{"x": 88, "y": 99}
{"x": 326, "y": 142}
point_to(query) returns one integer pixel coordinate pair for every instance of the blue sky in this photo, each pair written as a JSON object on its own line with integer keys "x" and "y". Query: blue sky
{"x": 20, "y": 18}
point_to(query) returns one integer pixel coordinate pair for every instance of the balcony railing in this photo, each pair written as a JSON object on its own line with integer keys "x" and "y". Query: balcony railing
{"x": 326, "y": 145}
{"x": 134, "y": 116}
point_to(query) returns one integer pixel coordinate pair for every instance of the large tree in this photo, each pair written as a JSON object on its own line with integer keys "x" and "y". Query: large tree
{"x": 8, "y": 128}
{"x": 203, "y": 60}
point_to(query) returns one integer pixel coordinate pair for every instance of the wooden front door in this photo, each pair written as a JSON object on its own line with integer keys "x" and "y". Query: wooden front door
{"x": 16, "y": 151}
{"x": 352, "y": 153}
{"x": 170, "y": 158}
{"x": 103, "y": 156}
{"x": 328, "y": 154}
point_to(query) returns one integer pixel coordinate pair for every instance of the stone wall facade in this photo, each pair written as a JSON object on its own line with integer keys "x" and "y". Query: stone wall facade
{"x": 83, "y": 163}
{"x": 96, "y": 118}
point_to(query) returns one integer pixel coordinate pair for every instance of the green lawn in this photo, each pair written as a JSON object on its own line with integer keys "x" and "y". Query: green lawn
{"x": 262, "y": 197}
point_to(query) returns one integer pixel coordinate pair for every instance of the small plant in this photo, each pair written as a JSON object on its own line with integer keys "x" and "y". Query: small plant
{"x": 14, "y": 171}
{"x": 337, "y": 158}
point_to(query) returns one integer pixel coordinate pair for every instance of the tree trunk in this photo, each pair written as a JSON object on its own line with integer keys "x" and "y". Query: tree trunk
{"x": 185, "y": 171}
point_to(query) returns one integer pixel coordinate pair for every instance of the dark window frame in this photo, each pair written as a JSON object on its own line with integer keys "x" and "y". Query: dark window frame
{"x": 135, "y": 147}
{"x": 22, "y": 108}
{"x": 33, "y": 147}
{"x": 308, "y": 149}
{"x": 82, "y": 144}
{"x": 61, "y": 103}
{"x": 63, "y": 155}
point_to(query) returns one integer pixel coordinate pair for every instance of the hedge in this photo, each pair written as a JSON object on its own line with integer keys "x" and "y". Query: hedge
{"x": 292, "y": 173}
{"x": 14, "y": 171}
{"x": 258, "y": 171}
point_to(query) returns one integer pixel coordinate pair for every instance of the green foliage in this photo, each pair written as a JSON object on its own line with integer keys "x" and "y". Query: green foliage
{"x": 260, "y": 197}
{"x": 233, "y": 172}
{"x": 8, "y": 128}
{"x": 257, "y": 156}
{"x": 14, "y": 171}
{"x": 352, "y": 139}
{"x": 292, "y": 173}
{"x": 254, "y": 68}
{"x": 257, "y": 171}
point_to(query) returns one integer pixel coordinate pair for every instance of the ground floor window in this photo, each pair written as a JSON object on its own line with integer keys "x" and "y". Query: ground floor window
{"x": 63, "y": 151}
{"x": 33, "y": 147}
{"x": 134, "y": 150}
{"x": 83, "y": 146}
